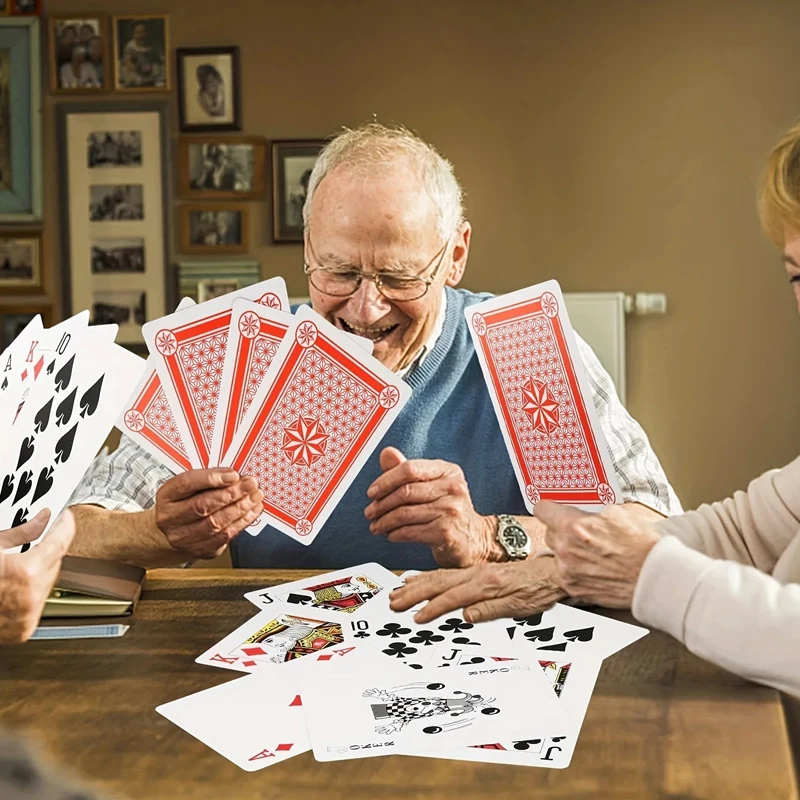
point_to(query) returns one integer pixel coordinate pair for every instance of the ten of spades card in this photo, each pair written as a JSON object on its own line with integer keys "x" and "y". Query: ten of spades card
{"x": 541, "y": 396}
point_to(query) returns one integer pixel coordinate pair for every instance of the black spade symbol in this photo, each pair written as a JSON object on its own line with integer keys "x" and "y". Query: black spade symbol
{"x": 43, "y": 484}
{"x": 20, "y": 518}
{"x": 42, "y": 417}
{"x": 6, "y": 488}
{"x": 25, "y": 450}
{"x": 24, "y": 485}
{"x": 64, "y": 375}
{"x": 64, "y": 410}
{"x": 91, "y": 397}
{"x": 50, "y": 367}
{"x": 64, "y": 445}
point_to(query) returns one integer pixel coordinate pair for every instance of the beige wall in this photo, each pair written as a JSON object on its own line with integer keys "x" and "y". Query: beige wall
{"x": 613, "y": 145}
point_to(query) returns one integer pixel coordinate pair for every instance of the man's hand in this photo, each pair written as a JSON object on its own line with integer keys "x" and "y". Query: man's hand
{"x": 428, "y": 502}
{"x": 599, "y": 556}
{"x": 486, "y": 591}
{"x": 200, "y": 511}
{"x": 27, "y": 578}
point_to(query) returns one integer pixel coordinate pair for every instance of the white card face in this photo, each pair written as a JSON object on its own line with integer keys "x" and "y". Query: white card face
{"x": 571, "y": 681}
{"x": 188, "y": 348}
{"x": 564, "y": 631}
{"x": 20, "y": 352}
{"x": 322, "y": 408}
{"x": 67, "y": 416}
{"x": 254, "y": 335}
{"x": 347, "y": 591}
{"x": 384, "y": 712}
{"x": 148, "y": 418}
{"x": 253, "y": 722}
{"x": 281, "y": 635}
{"x": 541, "y": 396}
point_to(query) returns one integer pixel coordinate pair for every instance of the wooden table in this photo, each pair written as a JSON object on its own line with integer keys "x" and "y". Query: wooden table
{"x": 662, "y": 723}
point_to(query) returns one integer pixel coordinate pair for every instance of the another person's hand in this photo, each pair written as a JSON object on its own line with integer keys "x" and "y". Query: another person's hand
{"x": 486, "y": 591}
{"x": 201, "y": 510}
{"x": 598, "y": 556}
{"x": 428, "y": 502}
{"x": 27, "y": 578}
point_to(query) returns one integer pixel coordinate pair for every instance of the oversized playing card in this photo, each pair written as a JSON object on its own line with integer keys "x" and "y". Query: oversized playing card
{"x": 565, "y": 629}
{"x": 322, "y": 408}
{"x": 22, "y": 351}
{"x": 253, "y": 722}
{"x": 349, "y": 591}
{"x": 281, "y": 635}
{"x": 253, "y": 338}
{"x": 67, "y": 416}
{"x": 393, "y": 711}
{"x": 150, "y": 421}
{"x": 188, "y": 348}
{"x": 538, "y": 386}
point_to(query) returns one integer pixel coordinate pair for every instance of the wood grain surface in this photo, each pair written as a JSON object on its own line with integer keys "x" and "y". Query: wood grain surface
{"x": 662, "y": 723}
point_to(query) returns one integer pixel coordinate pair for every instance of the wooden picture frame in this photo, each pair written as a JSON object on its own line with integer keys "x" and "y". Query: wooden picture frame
{"x": 21, "y": 134}
{"x": 23, "y": 315}
{"x": 292, "y": 161}
{"x": 25, "y": 8}
{"x": 116, "y": 257}
{"x": 209, "y": 89}
{"x": 139, "y": 65}
{"x": 5, "y": 7}
{"x": 216, "y": 224}
{"x": 11, "y": 283}
{"x": 91, "y": 82}
{"x": 190, "y": 273}
{"x": 197, "y": 173}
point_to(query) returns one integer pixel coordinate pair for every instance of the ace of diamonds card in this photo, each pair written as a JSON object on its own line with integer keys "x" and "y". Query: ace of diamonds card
{"x": 538, "y": 386}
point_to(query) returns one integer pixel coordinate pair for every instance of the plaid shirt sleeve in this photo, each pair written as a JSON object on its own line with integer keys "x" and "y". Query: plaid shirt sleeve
{"x": 125, "y": 480}
{"x": 639, "y": 472}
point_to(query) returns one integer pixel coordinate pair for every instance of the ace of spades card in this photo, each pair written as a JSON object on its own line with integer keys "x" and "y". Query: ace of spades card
{"x": 538, "y": 386}
{"x": 280, "y": 636}
{"x": 380, "y": 713}
{"x": 565, "y": 629}
{"x": 349, "y": 591}
{"x": 66, "y": 418}
{"x": 188, "y": 348}
{"x": 150, "y": 421}
{"x": 320, "y": 411}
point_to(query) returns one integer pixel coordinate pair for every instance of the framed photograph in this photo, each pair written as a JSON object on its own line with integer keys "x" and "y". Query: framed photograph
{"x": 20, "y": 121}
{"x": 221, "y": 167}
{"x": 114, "y": 201}
{"x": 211, "y": 275}
{"x": 78, "y": 47}
{"x": 29, "y": 7}
{"x": 5, "y": 7}
{"x": 292, "y": 162}
{"x": 208, "y": 89}
{"x": 14, "y": 318}
{"x": 141, "y": 53}
{"x": 215, "y": 287}
{"x": 213, "y": 228}
{"x": 20, "y": 262}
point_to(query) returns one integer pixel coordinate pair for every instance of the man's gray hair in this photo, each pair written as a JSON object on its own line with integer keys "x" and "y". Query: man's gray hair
{"x": 373, "y": 146}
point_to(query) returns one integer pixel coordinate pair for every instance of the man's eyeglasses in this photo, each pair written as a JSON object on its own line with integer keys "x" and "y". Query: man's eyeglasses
{"x": 342, "y": 282}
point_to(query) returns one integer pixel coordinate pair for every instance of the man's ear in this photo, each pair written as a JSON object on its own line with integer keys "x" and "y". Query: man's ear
{"x": 460, "y": 253}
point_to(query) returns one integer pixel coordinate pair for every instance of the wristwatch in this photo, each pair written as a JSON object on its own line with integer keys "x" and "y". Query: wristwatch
{"x": 513, "y": 538}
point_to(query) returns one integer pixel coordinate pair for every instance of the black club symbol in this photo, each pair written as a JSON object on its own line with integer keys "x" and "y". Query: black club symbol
{"x": 426, "y": 638}
{"x": 455, "y": 625}
{"x": 393, "y": 630}
{"x": 360, "y": 635}
{"x": 399, "y": 650}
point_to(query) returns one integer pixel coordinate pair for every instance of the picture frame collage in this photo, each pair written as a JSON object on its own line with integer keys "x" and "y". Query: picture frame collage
{"x": 116, "y": 154}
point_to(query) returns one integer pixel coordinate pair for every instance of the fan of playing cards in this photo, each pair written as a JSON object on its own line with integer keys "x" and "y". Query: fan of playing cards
{"x": 335, "y": 671}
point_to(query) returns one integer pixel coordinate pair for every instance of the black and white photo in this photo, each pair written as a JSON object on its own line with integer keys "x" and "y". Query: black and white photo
{"x": 116, "y": 202}
{"x": 292, "y": 164}
{"x": 20, "y": 263}
{"x": 117, "y": 255}
{"x": 221, "y": 167}
{"x": 78, "y": 53}
{"x": 214, "y": 229}
{"x": 123, "y": 308}
{"x": 114, "y": 149}
{"x": 141, "y": 53}
{"x": 208, "y": 88}
{"x": 215, "y": 287}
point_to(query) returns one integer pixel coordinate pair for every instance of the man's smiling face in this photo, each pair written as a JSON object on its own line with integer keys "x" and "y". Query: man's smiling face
{"x": 384, "y": 223}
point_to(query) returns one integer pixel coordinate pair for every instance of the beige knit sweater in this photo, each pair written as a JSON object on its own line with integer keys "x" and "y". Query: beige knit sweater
{"x": 726, "y": 581}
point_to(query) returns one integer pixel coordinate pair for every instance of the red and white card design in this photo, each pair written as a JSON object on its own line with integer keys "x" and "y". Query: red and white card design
{"x": 255, "y": 333}
{"x": 149, "y": 420}
{"x": 320, "y": 412}
{"x": 188, "y": 348}
{"x": 538, "y": 386}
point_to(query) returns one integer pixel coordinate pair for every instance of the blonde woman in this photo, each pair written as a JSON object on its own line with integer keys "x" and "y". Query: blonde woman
{"x": 724, "y": 580}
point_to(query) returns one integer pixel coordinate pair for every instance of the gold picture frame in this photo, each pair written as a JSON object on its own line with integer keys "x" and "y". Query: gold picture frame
{"x": 136, "y": 63}
{"x": 87, "y": 81}
{"x": 198, "y": 179}
{"x": 203, "y": 223}
{"x": 14, "y": 268}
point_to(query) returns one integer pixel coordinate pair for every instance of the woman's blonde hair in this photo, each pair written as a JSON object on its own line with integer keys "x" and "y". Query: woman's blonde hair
{"x": 779, "y": 194}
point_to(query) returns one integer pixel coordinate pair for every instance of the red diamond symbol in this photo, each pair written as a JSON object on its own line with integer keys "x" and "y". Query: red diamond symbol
{"x": 282, "y": 748}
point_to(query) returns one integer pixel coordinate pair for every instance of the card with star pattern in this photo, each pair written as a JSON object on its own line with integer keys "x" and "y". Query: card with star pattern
{"x": 320, "y": 411}
{"x": 188, "y": 349}
{"x": 541, "y": 396}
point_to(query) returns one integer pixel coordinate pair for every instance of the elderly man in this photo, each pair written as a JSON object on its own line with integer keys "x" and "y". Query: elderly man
{"x": 386, "y": 242}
